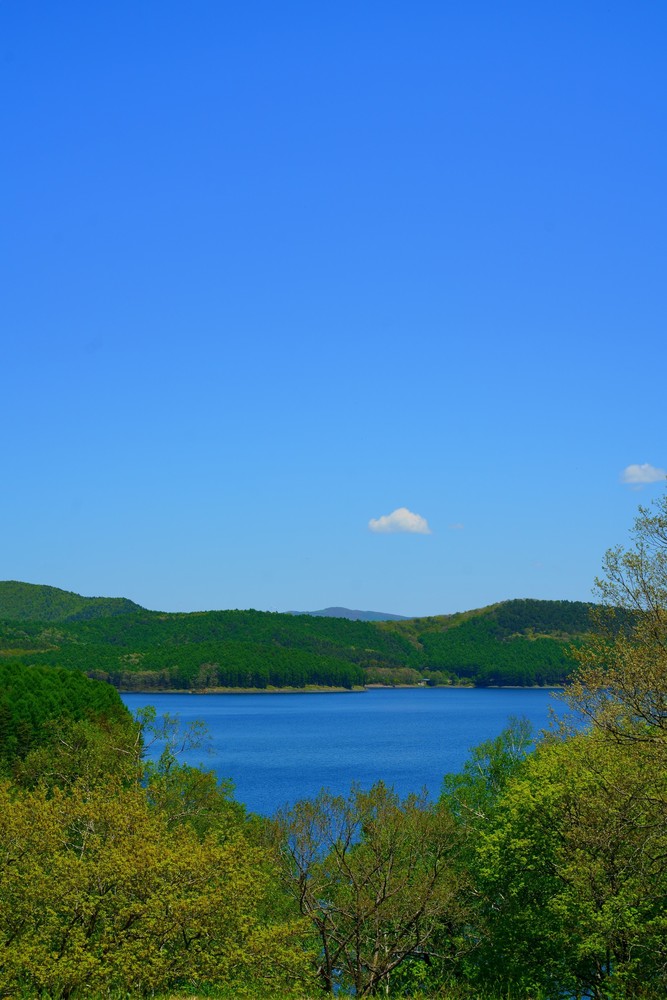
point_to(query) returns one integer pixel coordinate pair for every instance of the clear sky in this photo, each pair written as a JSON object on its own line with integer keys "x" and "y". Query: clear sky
{"x": 272, "y": 272}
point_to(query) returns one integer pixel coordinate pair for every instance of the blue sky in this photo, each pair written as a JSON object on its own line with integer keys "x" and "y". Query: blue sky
{"x": 271, "y": 271}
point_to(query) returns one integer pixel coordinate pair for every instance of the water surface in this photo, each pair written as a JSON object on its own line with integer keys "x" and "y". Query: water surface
{"x": 278, "y": 748}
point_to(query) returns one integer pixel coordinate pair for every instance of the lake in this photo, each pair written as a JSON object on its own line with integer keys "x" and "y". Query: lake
{"x": 278, "y": 748}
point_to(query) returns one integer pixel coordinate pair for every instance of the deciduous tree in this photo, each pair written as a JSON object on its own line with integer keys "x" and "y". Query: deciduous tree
{"x": 374, "y": 875}
{"x": 621, "y": 683}
{"x": 100, "y": 893}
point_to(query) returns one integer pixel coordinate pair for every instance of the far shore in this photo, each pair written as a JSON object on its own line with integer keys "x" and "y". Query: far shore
{"x": 321, "y": 689}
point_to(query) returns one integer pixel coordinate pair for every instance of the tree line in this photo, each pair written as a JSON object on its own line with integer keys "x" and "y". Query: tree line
{"x": 517, "y": 642}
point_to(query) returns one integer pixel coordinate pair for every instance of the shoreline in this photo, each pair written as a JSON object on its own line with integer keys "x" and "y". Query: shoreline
{"x": 311, "y": 689}
{"x": 320, "y": 689}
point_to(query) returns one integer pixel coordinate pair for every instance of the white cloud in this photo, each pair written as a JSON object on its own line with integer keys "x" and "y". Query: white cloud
{"x": 639, "y": 475}
{"x": 400, "y": 519}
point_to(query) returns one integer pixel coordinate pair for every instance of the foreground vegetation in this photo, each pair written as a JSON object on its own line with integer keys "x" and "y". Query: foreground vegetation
{"x": 539, "y": 873}
{"x": 523, "y": 642}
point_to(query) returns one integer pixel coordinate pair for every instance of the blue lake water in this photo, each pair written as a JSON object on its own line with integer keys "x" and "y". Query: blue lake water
{"x": 278, "y": 748}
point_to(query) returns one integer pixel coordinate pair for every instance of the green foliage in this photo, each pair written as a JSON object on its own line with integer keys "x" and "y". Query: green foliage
{"x": 99, "y": 893}
{"x": 521, "y": 642}
{"x": 479, "y": 651}
{"x": 91, "y": 751}
{"x": 621, "y": 682}
{"x": 35, "y": 602}
{"x": 570, "y": 870}
{"x": 119, "y": 877}
{"x": 393, "y": 676}
{"x": 247, "y": 649}
{"x": 472, "y": 794}
{"x": 184, "y": 794}
{"x": 527, "y": 617}
{"x": 517, "y": 642}
{"x": 374, "y": 877}
{"x": 32, "y": 698}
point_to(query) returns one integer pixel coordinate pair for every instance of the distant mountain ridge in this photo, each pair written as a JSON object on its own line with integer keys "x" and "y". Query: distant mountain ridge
{"x": 352, "y": 615}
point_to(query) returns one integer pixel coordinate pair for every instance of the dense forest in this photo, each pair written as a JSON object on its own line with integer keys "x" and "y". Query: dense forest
{"x": 538, "y": 874}
{"x": 30, "y": 602}
{"x": 521, "y": 642}
{"x": 32, "y": 697}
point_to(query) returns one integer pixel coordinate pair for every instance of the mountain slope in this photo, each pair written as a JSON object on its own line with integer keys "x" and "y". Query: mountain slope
{"x": 522, "y": 642}
{"x": 518, "y": 642}
{"x": 37, "y": 602}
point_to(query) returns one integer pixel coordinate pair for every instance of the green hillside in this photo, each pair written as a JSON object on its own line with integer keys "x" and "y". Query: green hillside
{"x": 35, "y": 602}
{"x": 147, "y": 649}
{"x": 33, "y": 698}
{"x": 520, "y": 642}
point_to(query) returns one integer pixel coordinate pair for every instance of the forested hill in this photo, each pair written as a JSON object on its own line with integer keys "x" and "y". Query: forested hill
{"x": 522, "y": 642}
{"x": 519, "y": 642}
{"x": 35, "y": 602}
{"x": 508, "y": 619}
